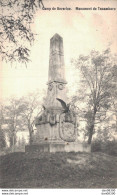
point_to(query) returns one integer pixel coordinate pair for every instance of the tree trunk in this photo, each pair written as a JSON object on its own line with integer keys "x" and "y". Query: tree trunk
{"x": 90, "y": 134}
{"x": 116, "y": 122}
{"x": 30, "y": 137}
{"x": 13, "y": 144}
{"x": 91, "y": 129}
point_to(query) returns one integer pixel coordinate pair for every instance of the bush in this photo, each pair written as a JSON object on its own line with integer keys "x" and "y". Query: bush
{"x": 109, "y": 147}
{"x": 2, "y": 140}
{"x": 96, "y": 146}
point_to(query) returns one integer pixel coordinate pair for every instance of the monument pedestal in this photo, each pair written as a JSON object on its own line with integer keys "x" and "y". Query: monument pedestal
{"x": 52, "y": 147}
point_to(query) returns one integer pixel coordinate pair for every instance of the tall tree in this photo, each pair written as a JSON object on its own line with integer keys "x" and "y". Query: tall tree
{"x": 13, "y": 119}
{"x": 31, "y": 108}
{"x": 98, "y": 74}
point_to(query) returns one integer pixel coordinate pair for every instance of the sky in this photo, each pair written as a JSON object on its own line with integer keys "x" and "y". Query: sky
{"x": 82, "y": 31}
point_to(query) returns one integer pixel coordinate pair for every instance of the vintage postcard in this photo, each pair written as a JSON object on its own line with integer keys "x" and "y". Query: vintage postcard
{"x": 58, "y": 96}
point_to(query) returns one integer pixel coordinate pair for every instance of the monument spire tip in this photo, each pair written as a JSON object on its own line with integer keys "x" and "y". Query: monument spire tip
{"x": 56, "y": 35}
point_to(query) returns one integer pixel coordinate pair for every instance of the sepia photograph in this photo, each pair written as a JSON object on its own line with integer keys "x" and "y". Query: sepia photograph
{"x": 58, "y": 94}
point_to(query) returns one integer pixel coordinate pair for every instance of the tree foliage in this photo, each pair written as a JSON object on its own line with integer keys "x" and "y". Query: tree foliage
{"x": 16, "y": 35}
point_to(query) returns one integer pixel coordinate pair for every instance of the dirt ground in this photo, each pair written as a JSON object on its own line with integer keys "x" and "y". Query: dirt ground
{"x": 60, "y": 170}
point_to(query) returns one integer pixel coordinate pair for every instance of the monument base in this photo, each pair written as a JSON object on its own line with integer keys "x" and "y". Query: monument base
{"x": 57, "y": 147}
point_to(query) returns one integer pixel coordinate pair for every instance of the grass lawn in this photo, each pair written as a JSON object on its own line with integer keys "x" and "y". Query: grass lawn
{"x": 59, "y": 170}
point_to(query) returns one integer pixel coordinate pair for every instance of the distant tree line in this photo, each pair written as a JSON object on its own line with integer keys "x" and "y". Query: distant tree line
{"x": 18, "y": 114}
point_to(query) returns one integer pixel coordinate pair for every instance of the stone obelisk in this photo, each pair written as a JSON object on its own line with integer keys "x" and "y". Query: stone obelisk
{"x": 52, "y": 122}
{"x": 56, "y": 125}
{"x": 56, "y": 77}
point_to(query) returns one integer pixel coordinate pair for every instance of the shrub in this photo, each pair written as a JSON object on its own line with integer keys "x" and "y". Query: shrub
{"x": 109, "y": 147}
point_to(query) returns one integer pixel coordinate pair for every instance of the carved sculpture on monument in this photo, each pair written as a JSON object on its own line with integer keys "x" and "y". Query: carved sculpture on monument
{"x": 57, "y": 124}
